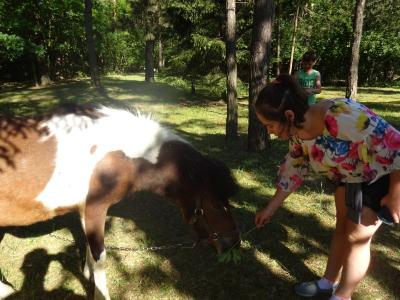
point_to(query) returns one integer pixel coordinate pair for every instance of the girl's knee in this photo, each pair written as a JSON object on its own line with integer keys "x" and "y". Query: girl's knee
{"x": 359, "y": 233}
{"x": 358, "y": 236}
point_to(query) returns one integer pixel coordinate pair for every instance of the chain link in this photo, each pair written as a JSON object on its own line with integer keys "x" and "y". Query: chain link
{"x": 184, "y": 245}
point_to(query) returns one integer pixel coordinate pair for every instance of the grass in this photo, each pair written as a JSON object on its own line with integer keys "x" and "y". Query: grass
{"x": 292, "y": 247}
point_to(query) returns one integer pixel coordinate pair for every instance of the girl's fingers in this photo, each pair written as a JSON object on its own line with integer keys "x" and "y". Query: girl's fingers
{"x": 396, "y": 217}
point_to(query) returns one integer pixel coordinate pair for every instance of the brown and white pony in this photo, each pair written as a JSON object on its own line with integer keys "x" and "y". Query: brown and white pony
{"x": 85, "y": 159}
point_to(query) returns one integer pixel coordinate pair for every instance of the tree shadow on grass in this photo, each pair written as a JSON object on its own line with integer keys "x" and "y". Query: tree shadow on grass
{"x": 35, "y": 267}
{"x": 270, "y": 262}
{"x": 36, "y": 263}
{"x": 113, "y": 92}
{"x": 197, "y": 272}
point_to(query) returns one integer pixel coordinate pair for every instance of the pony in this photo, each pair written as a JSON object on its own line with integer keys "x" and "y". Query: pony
{"x": 84, "y": 159}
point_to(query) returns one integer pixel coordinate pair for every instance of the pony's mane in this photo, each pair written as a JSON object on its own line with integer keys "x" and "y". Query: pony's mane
{"x": 199, "y": 170}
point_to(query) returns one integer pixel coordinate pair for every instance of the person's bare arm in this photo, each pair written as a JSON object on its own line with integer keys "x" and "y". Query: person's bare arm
{"x": 392, "y": 199}
{"x": 318, "y": 85}
{"x": 265, "y": 214}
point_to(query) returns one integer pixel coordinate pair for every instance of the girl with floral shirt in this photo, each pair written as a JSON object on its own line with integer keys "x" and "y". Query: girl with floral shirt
{"x": 351, "y": 145}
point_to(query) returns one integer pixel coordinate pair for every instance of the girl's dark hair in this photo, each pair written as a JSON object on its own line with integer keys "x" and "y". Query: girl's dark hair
{"x": 283, "y": 94}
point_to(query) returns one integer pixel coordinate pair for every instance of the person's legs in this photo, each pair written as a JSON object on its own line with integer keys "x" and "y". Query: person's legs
{"x": 349, "y": 251}
{"x": 357, "y": 255}
{"x": 336, "y": 254}
{"x": 337, "y": 251}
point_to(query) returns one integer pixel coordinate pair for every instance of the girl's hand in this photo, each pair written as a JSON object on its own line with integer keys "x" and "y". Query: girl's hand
{"x": 309, "y": 91}
{"x": 393, "y": 204}
{"x": 264, "y": 216}
{"x": 392, "y": 199}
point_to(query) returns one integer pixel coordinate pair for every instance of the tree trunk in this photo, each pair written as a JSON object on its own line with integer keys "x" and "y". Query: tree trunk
{"x": 278, "y": 39}
{"x": 34, "y": 70}
{"x": 352, "y": 79}
{"x": 231, "y": 71}
{"x": 44, "y": 70}
{"x": 193, "y": 86}
{"x": 151, "y": 23}
{"x": 149, "y": 64}
{"x": 160, "y": 23}
{"x": 296, "y": 19}
{"x": 114, "y": 15}
{"x": 94, "y": 74}
{"x": 160, "y": 54}
{"x": 258, "y": 138}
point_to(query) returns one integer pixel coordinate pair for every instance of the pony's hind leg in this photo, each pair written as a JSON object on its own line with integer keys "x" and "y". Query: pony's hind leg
{"x": 5, "y": 289}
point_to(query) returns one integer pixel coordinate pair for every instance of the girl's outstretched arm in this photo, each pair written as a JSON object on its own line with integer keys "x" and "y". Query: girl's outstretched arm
{"x": 264, "y": 215}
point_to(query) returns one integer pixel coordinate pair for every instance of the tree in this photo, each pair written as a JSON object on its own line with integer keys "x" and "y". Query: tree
{"x": 295, "y": 22}
{"x": 380, "y": 44}
{"x": 352, "y": 79}
{"x": 231, "y": 71}
{"x": 151, "y": 22}
{"x": 258, "y": 138}
{"x": 278, "y": 38}
{"x": 94, "y": 73}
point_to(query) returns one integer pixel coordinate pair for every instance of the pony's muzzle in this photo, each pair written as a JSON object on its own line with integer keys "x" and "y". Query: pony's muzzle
{"x": 223, "y": 243}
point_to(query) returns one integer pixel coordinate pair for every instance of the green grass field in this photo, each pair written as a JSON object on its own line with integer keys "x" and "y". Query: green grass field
{"x": 291, "y": 248}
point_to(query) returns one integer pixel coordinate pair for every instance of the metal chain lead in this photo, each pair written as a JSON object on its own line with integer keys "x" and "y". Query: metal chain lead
{"x": 184, "y": 245}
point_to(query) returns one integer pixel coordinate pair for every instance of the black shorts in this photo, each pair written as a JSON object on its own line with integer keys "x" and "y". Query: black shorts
{"x": 374, "y": 192}
{"x": 365, "y": 194}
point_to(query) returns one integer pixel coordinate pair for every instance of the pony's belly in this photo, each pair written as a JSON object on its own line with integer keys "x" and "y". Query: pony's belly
{"x": 29, "y": 212}
{"x": 26, "y": 167}
{"x": 23, "y": 213}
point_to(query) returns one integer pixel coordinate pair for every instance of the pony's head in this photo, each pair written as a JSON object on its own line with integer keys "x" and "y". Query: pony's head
{"x": 202, "y": 187}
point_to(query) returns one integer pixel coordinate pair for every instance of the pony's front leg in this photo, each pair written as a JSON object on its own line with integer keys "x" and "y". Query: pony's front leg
{"x": 95, "y": 265}
{"x": 88, "y": 268}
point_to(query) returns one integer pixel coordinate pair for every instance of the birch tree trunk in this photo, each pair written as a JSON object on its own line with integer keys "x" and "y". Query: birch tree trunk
{"x": 296, "y": 18}
{"x": 278, "y": 39}
{"x": 231, "y": 71}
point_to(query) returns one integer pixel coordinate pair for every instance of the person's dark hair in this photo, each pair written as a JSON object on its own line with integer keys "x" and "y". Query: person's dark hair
{"x": 309, "y": 56}
{"x": 283, "y": 94}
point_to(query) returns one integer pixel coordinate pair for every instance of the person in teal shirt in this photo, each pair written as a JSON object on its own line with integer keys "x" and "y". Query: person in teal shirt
{"x": 309, "y": 78}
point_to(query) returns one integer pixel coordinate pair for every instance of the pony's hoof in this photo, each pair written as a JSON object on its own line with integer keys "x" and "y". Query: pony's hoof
{"x": 99, "y": 296}
{"x": 87, "y": 273}
{"x": 6, "y": 290}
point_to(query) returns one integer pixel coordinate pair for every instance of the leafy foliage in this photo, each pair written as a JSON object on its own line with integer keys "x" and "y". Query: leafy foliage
{"x": 190, "y": 37}
{"x": 11, "y": 46}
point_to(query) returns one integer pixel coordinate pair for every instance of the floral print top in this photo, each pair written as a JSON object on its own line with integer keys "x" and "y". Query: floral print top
{"x": 356, "y": 146}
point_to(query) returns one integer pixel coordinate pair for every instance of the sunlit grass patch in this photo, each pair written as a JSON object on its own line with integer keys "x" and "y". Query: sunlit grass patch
{"x": 292, "y": 247}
